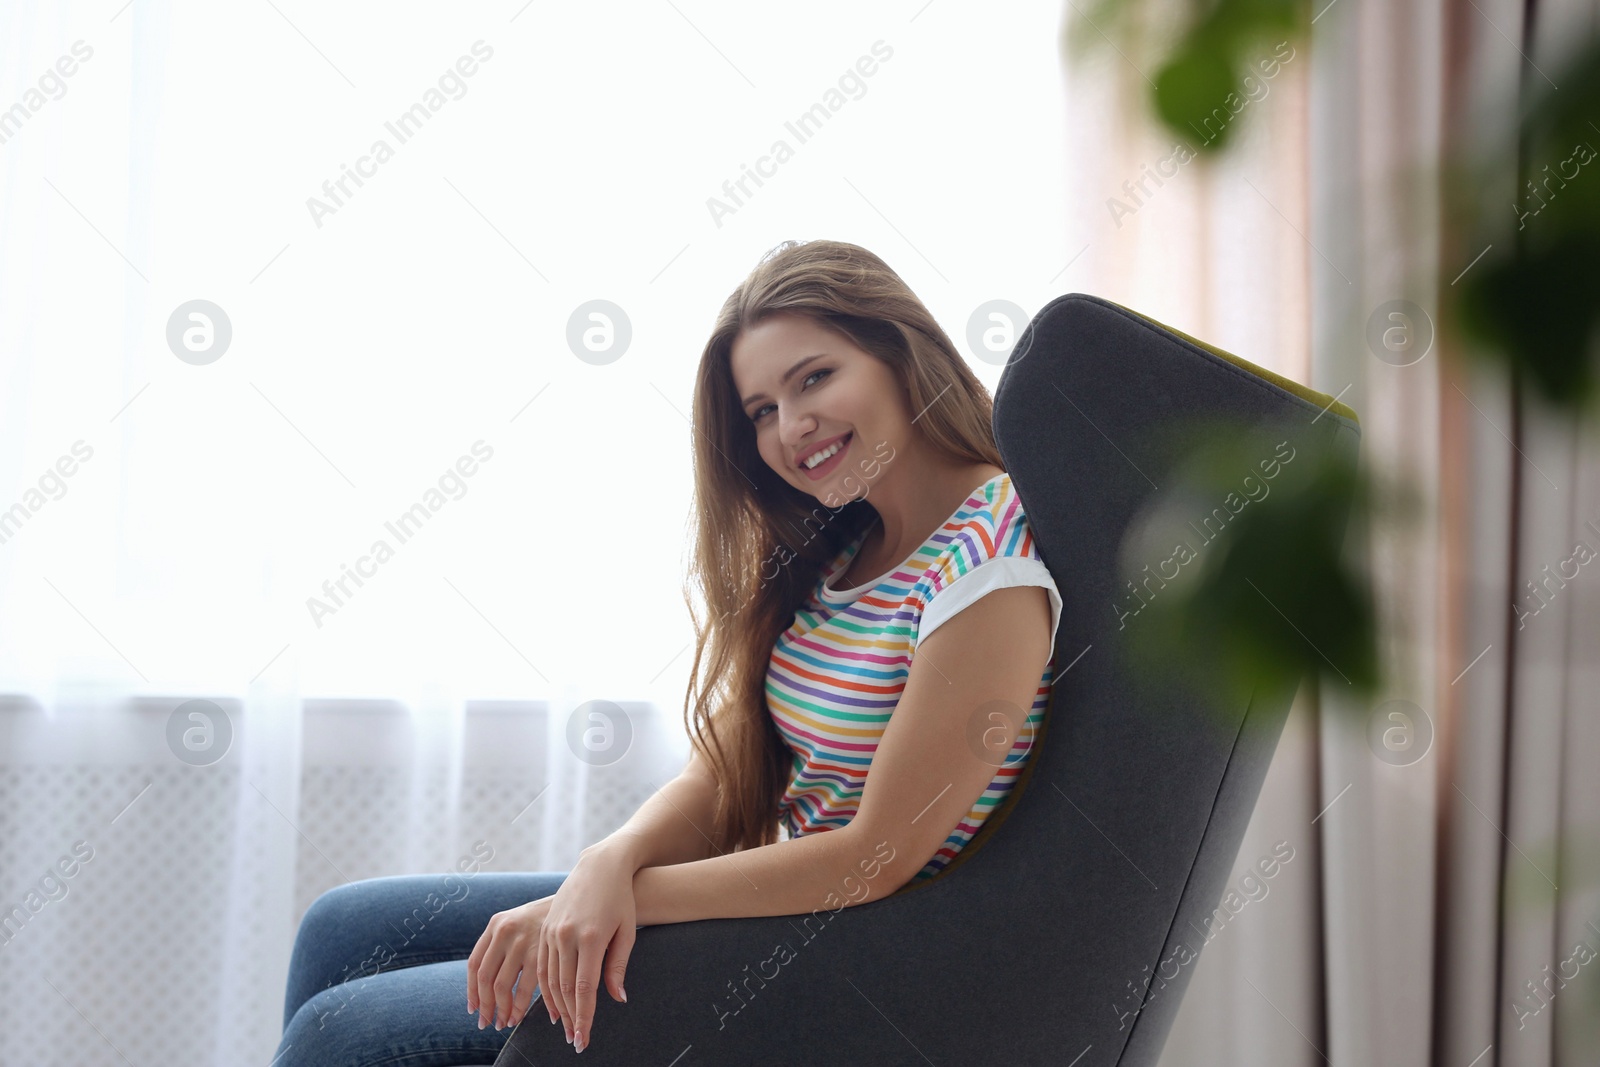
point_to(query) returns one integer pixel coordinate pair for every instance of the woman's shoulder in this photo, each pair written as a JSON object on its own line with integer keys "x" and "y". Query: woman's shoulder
{"x": 993, "y": 523}
{"x": 992, "y": 548}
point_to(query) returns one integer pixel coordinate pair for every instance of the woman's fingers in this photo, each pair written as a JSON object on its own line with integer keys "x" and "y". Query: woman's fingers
{"x": 617, "y": 960}
{"x": 474, "y": 961}
{"x": 543, "y": 973}
{"x": 555, "y": 991}
{"x": 503, "y": 981}
{"x": 591, "y": 953}
{"x": 488, "y": 970}
{"x": 526, "y": 981}
{"x": 567, "y": 942}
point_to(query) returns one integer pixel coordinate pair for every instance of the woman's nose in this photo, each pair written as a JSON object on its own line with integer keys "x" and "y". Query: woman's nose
{"x": 794, "y": 426}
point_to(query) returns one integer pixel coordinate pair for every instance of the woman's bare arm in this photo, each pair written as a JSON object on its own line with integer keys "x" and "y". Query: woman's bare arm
{"x": 926, "y": 777}
{"x": 673, "y": 826}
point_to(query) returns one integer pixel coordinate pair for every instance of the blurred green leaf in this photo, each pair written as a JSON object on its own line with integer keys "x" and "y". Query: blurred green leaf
{"x": 1251, "y": 585}
{"x": 1541, "y": 309}
{"x": 1534, "y": 299}
{"x": 1209, "y": 63}
{"x": 1189, "y": 87}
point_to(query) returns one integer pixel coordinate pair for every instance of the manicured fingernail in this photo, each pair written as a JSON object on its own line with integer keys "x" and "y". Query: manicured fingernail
{"x": 624, "y": 993}
{"x": 578, "y": 1044}
{"x": 481, "y": 1022}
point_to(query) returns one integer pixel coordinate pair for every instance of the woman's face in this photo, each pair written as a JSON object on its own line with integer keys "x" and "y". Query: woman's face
{"x": 805, "y": 389}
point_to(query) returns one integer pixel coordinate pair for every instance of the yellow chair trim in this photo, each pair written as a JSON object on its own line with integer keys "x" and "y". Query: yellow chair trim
{"x": 1304, "y": 392}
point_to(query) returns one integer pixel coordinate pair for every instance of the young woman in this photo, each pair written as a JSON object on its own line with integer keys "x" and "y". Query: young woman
{"x": 875, "y": 600}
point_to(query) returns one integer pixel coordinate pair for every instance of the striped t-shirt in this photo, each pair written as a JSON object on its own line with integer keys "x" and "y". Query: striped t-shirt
{"x": 837, "y": 672}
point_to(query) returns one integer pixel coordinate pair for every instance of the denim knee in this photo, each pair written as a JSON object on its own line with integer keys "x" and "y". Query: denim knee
{"x": 328, "y": 939}
{"x": 334, "y": 1027}
{"x": 414, "y": 1016}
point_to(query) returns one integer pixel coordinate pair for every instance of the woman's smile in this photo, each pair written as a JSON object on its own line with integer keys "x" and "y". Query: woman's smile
{"x": 823, "y": 469}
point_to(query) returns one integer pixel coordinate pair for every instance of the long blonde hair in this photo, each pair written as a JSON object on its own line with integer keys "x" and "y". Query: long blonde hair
{"x": 760, "y": 543}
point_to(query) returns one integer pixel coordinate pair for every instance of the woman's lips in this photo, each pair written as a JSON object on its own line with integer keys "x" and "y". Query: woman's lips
{"x": 823, "y": 469}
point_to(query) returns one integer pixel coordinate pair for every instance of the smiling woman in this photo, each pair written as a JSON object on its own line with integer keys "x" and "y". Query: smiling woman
{"x": 825, "y": 384}
{"x": 824, "y": 347}
{"x": 910, "y": 636}
{"x": 867, "y": 686}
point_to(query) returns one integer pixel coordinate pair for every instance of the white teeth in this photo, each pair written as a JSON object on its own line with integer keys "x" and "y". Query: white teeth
{"x": 822, "y": 456}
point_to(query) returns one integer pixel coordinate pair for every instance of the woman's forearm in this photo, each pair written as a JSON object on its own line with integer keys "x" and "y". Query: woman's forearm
{"x": 818, "y": 872}
{"x": 673, "y": 826}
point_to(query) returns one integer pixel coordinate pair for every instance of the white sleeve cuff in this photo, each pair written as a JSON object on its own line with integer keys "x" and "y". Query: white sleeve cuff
{"x": 999, "y": 572}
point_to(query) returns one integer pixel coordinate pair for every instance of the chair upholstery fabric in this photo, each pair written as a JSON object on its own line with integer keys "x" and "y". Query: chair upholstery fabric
{"x": 1116, "y": 842}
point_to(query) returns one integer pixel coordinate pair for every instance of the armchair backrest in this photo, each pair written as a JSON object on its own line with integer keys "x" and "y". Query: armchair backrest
{"x": 1129, "y": 819}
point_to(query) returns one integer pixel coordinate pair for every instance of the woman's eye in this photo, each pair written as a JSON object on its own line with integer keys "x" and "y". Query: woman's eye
{"x": 756, "y": 417}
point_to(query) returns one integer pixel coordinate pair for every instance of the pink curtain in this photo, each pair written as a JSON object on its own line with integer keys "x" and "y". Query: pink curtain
{"x": 1440, "y": 898}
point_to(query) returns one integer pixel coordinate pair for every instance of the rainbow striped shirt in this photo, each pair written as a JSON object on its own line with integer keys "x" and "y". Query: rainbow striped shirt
{"x": 837, "y": 672}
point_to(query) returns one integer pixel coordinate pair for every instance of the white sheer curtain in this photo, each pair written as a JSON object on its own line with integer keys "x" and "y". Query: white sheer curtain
{"x": 156, "y": 155}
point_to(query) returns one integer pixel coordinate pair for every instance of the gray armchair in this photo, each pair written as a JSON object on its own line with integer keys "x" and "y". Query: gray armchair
{"x": 1114, "y": 846}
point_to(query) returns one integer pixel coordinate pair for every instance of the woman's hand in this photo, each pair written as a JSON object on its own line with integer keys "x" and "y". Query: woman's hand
{"x": 508, "y": 946}
{"x": 590, "y": 919}
{"x": 558, "y": 943}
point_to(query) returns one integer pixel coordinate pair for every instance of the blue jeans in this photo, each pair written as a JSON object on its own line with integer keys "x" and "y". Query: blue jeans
{"x": 379, "y": 970}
